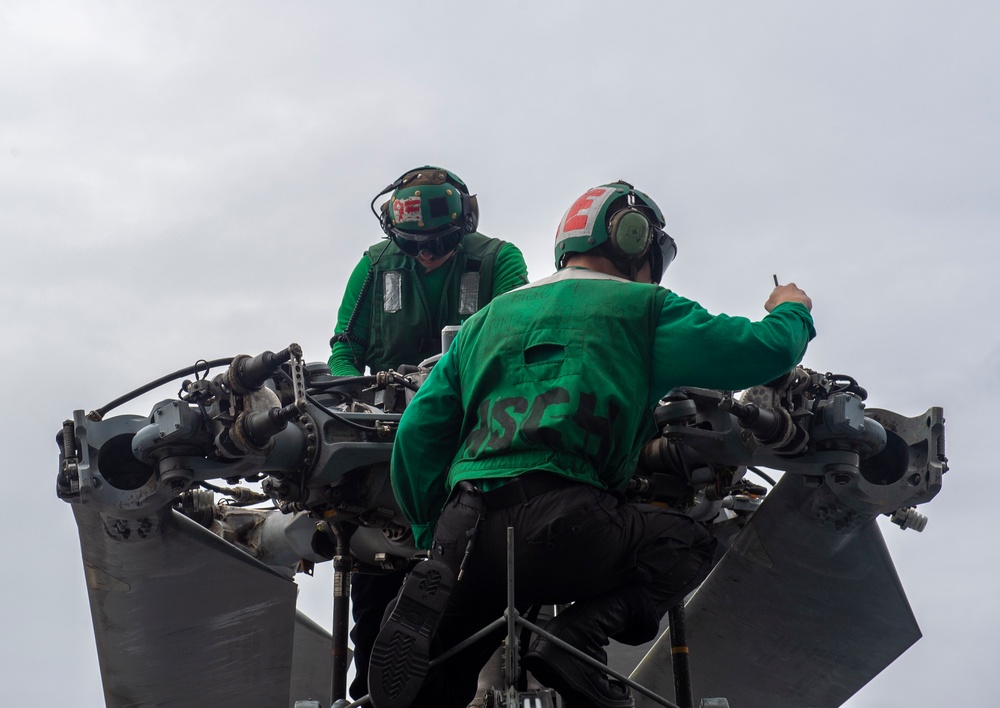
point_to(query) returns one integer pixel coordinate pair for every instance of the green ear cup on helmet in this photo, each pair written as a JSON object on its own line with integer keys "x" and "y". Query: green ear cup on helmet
{"x": 616, "y": 213}
{"x": 624, "y": 218}
{"x": 629, "y": 232}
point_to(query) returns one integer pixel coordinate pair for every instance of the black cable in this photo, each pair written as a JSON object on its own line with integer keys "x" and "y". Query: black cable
{"x": 99, "y": 413}
{"x": 348, "y": 336}
{"x": 762, "y": 475}
{"x": 341, "y": 381}
{"x": 405, "y": 382}
{"x": 333, "y": 414}
{"x": 396, "y": 184}
{"x": 847, "y": 383}
{"x": 336, "y": 416}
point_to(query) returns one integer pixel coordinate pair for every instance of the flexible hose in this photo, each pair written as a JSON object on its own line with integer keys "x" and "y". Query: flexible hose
{"x": 99, "y": 413}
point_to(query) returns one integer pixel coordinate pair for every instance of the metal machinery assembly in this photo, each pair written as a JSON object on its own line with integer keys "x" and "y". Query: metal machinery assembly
{"x": 190, "y": 572}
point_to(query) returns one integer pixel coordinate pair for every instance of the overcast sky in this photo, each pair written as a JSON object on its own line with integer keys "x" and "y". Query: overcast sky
{"x": 187, "y": 180}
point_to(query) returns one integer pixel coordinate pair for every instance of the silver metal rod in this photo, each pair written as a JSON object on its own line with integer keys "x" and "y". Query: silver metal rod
{"x": 510, "y": 656}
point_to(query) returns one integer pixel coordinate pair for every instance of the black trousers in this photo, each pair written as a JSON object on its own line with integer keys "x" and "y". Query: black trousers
{"x": 571, "y": 543}
{"x": 370, "y": 595}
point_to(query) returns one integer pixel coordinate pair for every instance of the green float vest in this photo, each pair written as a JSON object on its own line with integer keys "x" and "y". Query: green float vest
{"x": 556, "y": 377}
{"x": 405, "y": 327}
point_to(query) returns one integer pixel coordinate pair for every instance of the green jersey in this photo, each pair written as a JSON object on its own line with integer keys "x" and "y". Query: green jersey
{"x": 562, "y": 375}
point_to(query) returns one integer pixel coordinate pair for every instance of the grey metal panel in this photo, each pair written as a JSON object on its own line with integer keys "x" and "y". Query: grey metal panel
{"x": 183, "y": 618}
{"x": 312, "y": 662}
{"x": 795, "y": 614}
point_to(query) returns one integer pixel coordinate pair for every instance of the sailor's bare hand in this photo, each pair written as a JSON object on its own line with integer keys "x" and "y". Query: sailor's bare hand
{"x": 788, "y": 292}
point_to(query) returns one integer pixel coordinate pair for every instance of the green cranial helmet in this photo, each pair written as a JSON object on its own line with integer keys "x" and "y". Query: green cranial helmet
{"x": 430, "y": 209}
{"x": 627, "y": 220}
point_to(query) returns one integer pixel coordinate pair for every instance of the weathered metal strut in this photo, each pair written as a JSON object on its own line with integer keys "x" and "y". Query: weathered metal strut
{"x": 679, "y": 653}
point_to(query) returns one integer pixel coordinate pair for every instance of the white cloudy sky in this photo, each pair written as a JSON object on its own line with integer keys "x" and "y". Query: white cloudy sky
{"x": 186, "y": 180}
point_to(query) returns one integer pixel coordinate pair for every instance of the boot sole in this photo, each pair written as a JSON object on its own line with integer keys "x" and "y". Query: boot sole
{"x": 401, "y": 652}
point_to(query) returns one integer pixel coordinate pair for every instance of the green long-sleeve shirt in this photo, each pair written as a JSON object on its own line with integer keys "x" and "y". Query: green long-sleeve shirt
{"x": 509, "y": 272}
{"x": 676, "y": 342}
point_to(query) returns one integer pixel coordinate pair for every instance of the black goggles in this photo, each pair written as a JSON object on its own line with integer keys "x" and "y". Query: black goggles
{"x": 437, "y": 245}
{"x": 662, "y": 252}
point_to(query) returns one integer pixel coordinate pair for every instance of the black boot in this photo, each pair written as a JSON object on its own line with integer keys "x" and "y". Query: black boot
{"x": 401, "y": 654}
{"x": 402, "y": 650}
{"x": 585, "y": 626}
